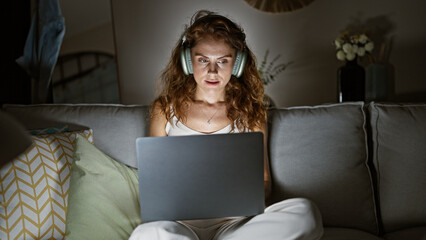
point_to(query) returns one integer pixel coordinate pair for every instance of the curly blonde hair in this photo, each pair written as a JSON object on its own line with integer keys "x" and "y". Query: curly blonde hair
{"x": 244, "y": 95}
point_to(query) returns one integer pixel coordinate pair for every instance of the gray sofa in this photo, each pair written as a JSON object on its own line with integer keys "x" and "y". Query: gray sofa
{"x": 363, "y": 165}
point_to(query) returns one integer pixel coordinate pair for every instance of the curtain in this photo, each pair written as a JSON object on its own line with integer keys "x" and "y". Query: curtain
{"x": 42, "y": 48}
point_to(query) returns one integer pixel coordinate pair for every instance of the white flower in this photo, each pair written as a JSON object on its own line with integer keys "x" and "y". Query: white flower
{"x": 341, "y": 55}
{"x": 347, "y": 47}
{"x": 354, "y": 48}
{"x": 369, "y": 46}
{"x": 361, "y": 51}
{"x": 363, "y": 39}
{"x": 350, "y": 56}
{"x": 337, "y": 43}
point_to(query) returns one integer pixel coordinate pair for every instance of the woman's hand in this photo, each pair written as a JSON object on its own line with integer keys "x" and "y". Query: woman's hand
{"x": 268, "y": 190}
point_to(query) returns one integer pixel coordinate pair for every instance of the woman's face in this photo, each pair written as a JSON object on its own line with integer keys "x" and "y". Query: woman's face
{"x": 212, "y": 62}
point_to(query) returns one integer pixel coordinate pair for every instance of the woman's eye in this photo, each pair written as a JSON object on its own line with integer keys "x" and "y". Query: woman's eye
{"x": 223, "y": 61}
{"x": 201, "y": 60}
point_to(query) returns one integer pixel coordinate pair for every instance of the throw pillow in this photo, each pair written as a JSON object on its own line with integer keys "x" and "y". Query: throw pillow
{"x": 34, "y": 188}
{"x": 103, "y": 201}
{"x": 51, "y": 130}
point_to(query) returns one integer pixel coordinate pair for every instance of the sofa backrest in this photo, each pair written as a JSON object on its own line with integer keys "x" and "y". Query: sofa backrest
{"x": 399, "y": 156}
{"x": 320, "y": 153}
{"x": 115, "y": 127}
{"x": 317, "y": 152}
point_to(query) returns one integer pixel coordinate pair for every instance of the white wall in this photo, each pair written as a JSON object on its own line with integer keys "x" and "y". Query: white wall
{"x": 99, "y": 38}
{"x": 88, "y": 26}
{"x": 146, "y": 32}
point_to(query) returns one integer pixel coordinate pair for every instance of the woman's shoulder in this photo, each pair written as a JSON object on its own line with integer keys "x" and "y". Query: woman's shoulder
{"x": 157, "y": 110}
{"x": 158, "y": 120}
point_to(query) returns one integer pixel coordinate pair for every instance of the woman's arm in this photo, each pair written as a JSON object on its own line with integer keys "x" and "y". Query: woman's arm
{"x": 266, "y": 171}
{"x": 158, "y": 121}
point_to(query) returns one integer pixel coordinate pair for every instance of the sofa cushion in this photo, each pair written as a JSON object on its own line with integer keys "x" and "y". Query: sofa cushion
{"x": 103, "y": 201}
{"x": 115, "y": 126}
{"x": 34, "y": 188}
{"x": 418, "y": 233}
{"x": 399, "y": 141}
{"x": 320, "y": 153}
{"x": 347, "y": 234}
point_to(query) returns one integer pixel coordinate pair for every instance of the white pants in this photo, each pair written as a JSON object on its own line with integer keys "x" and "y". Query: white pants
{"x": 296, "y": 218}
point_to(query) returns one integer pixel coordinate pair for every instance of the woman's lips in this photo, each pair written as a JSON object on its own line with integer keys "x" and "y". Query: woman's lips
{"x": 212, "y": 82}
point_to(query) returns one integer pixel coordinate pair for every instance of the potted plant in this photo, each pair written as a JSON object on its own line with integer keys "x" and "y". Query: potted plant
{"x": 268, "y": 70}
{"x": 351, "y": 76}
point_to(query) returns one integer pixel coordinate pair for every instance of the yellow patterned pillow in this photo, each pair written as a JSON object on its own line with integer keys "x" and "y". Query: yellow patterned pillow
{"x": 34, "y": 188}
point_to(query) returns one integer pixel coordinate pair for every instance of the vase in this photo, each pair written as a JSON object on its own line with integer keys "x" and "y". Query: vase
{"x": 351, "y": 82}
{"x": 376, "y": 82}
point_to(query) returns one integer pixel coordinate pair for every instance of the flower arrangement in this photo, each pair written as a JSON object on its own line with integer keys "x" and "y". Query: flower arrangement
{"x": 350, "y": 47}
{"x": 268, "y": 71}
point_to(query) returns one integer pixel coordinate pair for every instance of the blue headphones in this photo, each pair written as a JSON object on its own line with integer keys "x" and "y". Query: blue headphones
{"x": 185, "y": 59}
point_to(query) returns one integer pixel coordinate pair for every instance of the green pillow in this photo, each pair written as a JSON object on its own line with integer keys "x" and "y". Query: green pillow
{"x": 103, "y": 201}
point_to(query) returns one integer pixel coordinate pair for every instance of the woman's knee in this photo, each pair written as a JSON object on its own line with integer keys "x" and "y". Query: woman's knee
{"x": 162, "y": 230}
{"x": 294, "y": 205}
{"x": 303, "y": 214}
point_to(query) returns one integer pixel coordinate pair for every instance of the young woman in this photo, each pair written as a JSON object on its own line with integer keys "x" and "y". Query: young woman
{"x": 210, "y": 86}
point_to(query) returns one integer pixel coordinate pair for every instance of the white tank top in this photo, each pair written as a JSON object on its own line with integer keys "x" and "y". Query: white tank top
{"x": 177, "y": 129}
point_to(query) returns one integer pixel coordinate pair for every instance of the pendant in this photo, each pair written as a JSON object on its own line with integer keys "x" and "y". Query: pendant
{"x": 208, "y": 122}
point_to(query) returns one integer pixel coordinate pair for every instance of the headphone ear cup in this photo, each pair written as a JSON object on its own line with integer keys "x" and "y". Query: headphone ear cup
{"x": 240, "y": 62}
{"x": 185, "y": 59}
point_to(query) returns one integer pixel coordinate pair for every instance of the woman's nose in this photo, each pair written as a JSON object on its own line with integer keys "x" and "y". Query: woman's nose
{"x": 212, "y": 68}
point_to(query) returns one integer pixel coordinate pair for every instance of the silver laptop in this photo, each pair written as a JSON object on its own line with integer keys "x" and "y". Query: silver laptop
{"x": 200, "y": 176}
